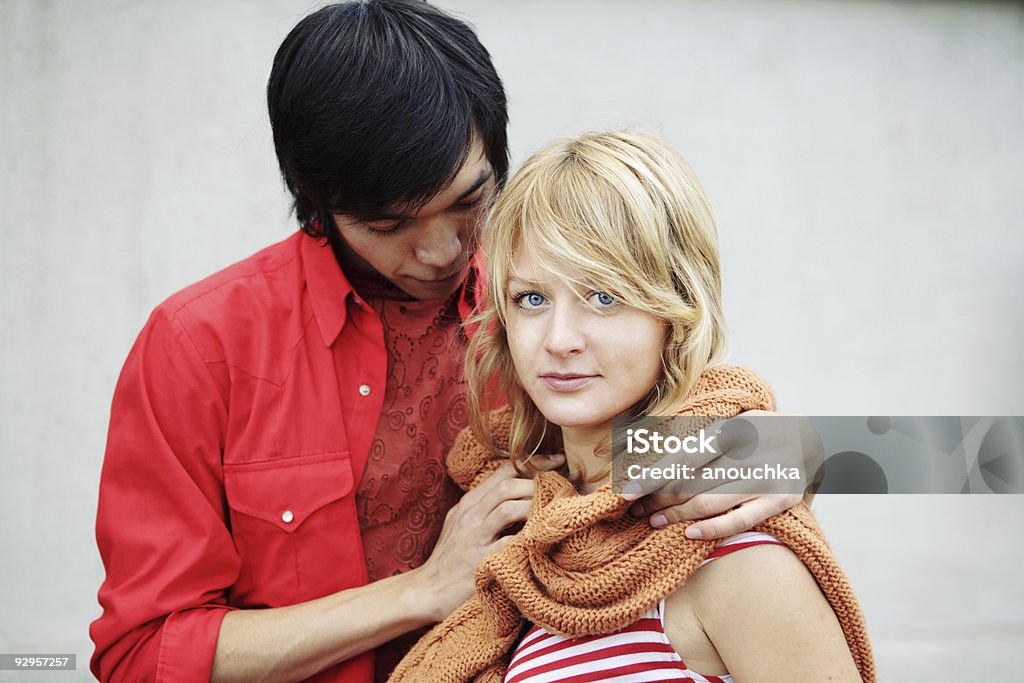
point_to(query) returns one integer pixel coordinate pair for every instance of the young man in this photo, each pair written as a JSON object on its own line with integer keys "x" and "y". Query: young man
{"x": 273, "y": 501}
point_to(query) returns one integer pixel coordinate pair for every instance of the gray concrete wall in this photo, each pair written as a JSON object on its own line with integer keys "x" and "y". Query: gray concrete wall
{"x": 865, "y": 159}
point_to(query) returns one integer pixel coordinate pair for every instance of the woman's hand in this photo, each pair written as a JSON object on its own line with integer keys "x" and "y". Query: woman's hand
{"x": 729, "y": 507}
{"x": 473, "y": 529}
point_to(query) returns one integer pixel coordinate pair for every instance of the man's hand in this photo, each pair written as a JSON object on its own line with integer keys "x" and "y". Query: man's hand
{"x": 731, "y": 507}
{"x": 473, "y": 529}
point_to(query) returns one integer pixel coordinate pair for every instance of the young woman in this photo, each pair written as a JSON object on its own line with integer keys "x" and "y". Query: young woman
{"x": 605, "y": 300}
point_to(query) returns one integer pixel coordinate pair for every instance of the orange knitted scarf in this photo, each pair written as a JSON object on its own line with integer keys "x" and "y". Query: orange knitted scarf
{"x": 582, "y": 566}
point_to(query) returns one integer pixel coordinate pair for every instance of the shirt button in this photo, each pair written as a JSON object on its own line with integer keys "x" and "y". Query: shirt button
{"x": 287, "y": 516}
{"x": 364, "y": 389}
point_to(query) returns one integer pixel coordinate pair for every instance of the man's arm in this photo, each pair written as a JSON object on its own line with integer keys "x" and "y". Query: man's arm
{"x": 295, "y": 642}
{"x": 788, "y": 440}
{"x": 160, "y": 526}
{"x": 170, "y": 558}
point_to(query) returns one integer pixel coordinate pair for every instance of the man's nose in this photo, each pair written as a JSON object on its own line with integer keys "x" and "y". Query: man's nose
{"x": 441, "y": 242}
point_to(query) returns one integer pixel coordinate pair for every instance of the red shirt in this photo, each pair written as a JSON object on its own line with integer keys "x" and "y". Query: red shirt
{"x": 405, "y": 490}
{"x": 242, "y": 420}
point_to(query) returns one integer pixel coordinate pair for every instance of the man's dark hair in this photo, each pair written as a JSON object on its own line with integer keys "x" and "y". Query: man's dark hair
{"x": 373, "y": 107}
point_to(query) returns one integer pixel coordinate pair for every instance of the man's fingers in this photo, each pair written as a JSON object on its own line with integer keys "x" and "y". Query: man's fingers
{"x": 499, "y": 544}
{"x": 503, "y": 473}
{"x": 729, "y": 524}
{"x": 739, "y": 437}
{"x": 648, "y": 505}
{"x": 715, "y": 498}
{"x": 690, "y": 484}
{"x": 503, "y": 515}
{"x": 477, "y": 505}
{"x": 743, "y": 518}
{"x": 698, "y": 507}
{"x": 506, "y": 489}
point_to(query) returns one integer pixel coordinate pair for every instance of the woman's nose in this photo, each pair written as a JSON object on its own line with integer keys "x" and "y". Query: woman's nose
{"x": 564, "y": 334}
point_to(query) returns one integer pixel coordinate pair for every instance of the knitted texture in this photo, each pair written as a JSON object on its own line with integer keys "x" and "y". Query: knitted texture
{"x": 582, "y": 566}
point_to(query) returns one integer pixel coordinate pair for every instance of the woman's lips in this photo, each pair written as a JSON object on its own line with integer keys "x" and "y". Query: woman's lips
{"x": 565, "y": 383}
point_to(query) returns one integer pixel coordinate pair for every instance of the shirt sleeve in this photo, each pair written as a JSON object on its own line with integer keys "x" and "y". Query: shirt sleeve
{"x": 162, "y": 526}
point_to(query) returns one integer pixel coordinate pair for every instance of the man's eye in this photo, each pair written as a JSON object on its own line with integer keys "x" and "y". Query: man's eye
{"x": 384, "y": 229}
{"x": 467, "y": 206}
{"x": 528, "y": 300}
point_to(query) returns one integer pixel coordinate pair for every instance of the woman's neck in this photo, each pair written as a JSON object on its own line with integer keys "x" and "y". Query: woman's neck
{"x": 584, "y": 463}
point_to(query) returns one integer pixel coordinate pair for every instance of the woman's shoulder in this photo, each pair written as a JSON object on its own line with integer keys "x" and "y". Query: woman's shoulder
{"x": 736, "y": 571}
{"x": 746, "y": 566}
{"x": 760, "y": 608}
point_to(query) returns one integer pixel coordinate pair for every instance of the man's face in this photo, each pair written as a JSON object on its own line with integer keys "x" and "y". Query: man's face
{"x": 426, "y": 254}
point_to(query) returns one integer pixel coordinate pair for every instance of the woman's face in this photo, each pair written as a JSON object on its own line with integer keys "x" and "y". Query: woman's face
{"x": 582, "y": 357}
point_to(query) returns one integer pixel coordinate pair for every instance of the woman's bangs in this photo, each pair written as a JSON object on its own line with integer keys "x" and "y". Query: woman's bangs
{"x": 564, "y": 229}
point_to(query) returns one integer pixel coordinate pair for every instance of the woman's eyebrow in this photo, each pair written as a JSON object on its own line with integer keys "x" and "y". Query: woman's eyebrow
{"x": 525, "y": 282}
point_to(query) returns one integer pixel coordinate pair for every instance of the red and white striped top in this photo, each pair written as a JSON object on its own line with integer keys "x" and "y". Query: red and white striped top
{"x": 638, "y": 653}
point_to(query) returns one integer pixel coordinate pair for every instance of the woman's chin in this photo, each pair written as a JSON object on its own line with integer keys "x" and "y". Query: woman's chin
{"x": 576, "y": 421}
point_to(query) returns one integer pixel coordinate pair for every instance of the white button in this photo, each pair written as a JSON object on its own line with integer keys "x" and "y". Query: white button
{"x": 364, "y": 389}
{"x": 287, "y": 516}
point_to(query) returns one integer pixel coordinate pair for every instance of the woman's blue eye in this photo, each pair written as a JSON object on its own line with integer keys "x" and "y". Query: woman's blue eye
{"x": 603, "y": 298}
{"x": 529, "y": 300}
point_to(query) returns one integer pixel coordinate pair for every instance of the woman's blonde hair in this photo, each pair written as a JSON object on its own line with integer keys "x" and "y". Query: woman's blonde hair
{"x": 621, "y": 212}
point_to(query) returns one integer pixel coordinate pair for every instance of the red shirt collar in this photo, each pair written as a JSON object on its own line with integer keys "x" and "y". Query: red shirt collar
{"x": 329, "y": 289}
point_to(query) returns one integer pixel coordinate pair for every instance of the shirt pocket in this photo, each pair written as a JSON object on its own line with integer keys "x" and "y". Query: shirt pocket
{"x": 295, "y": 528}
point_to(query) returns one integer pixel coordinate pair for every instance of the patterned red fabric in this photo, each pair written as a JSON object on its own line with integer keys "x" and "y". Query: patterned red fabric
{"x": 405, "y": 491}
